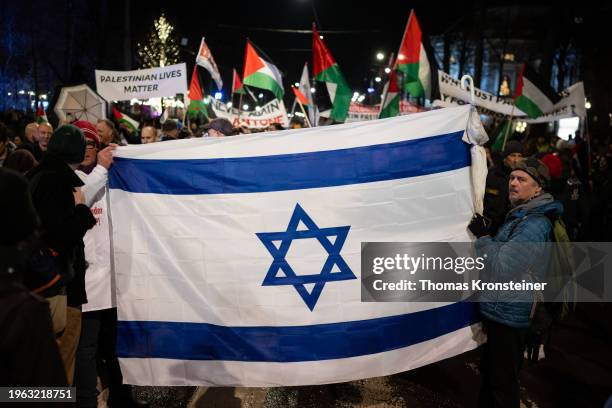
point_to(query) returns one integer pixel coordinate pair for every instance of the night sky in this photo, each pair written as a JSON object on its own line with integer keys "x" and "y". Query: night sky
{"x": 361, "y": 30}
{"x": 354, "y": 32}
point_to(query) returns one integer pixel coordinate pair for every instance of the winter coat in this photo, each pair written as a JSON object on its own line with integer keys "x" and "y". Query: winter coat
{"x": 29, "y": 355}
{"x": 52, "y": 184}
{"x": 518, "y": 251}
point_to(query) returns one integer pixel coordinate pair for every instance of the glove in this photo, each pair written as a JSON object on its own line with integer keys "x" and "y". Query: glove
{"x": 479, "y": 226}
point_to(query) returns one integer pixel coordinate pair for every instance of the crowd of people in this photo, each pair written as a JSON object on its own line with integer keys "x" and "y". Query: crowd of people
{"x": 58, "y": 310}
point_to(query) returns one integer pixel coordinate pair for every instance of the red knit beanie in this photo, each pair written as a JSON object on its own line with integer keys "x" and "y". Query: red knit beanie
{"x": 89, "y": 131}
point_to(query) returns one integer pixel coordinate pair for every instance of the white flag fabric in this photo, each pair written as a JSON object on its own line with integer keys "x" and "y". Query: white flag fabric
{"x": 206, "y": 60}
{"x": 238, "y": 259}
{"x": 305, "y": 88}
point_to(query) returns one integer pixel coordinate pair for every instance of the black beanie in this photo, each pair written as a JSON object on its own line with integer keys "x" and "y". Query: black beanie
{"x": 513, "y": 146}
{"x": 68, "y": 143}
{"x": 19, "y": 217}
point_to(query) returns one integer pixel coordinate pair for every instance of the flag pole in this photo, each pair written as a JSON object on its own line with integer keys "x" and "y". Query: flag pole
{"x": 508, "y": 128}
{"x": 305, "y": 115}
{"x": 240, "y": 105}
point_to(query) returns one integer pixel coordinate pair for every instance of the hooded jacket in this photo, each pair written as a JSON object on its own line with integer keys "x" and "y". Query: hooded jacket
{"x": 518, "y": 251}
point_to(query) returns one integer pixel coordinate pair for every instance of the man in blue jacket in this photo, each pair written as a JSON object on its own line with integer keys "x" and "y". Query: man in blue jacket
{"x": 518, "y": 251}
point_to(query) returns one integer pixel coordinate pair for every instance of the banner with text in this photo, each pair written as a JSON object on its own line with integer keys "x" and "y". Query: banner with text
{"x": 272, "y": 112}
{"x": 572, "y": 104}
{"x": 358, "y": 112}
{"x": 142, "y": 83}
{"x": 451, "y": 94}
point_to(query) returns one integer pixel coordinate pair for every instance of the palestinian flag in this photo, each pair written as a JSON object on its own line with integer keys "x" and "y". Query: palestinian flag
{"x": 416, "y": 62}
{"x": 533, "y": 95}
{"x": 259, "y": 72}
{"x": 41, "y": 116}
{"x": 236, "y": 84}
{"x": 125, "y": 121}
{"x": 505, "y": 128}
{"x": 390, "y": 105}
{"x": 196, "y": 103}
{"x": 333, "y": 95}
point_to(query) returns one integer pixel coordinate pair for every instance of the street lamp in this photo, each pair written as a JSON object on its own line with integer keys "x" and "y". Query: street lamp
{"x": 378, "y": 79}
{"x": 387, "y": 70}
{"x": 245, "y": 107}
{"x": 380, "y": 56}
{"x": 587, "y": 104}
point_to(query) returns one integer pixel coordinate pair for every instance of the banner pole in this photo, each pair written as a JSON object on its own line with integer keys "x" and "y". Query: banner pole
{"x": 508, "y": 128}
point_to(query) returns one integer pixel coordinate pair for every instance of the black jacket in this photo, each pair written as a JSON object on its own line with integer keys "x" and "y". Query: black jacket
{"x": 52, "y": 184}
{"x": 28, "y": 351}
{"x": 33, "y": 148}
{"x": 496, "y": 201}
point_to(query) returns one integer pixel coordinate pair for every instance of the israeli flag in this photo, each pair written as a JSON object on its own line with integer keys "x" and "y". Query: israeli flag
{"x": 237, "y": 260}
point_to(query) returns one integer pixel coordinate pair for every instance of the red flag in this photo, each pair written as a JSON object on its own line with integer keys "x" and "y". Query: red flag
{"x": 236, "y": 84}
{"x": 195, "y": 91}
{"x": 300, "y": 96}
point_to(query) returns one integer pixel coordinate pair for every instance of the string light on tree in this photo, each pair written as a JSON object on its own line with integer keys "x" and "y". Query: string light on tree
{"x": 160, "y": 48}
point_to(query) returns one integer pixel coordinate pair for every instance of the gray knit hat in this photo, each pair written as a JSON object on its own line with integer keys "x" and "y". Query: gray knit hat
{"x": 536, "y": 169}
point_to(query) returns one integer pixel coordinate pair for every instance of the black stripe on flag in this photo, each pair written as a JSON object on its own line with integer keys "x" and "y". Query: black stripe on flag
{"x": 541, "y": 84}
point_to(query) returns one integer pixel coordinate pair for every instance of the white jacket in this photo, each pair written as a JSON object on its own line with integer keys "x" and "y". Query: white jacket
{"x": 99, "y": 280}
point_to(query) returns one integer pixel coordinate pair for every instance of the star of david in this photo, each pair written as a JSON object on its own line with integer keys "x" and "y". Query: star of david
{"x": 281, "y": 273}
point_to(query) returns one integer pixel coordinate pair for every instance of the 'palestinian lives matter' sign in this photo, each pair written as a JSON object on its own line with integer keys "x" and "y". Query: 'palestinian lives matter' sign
{"x": 142, "y": 83}
{"x": 272, "y": 112}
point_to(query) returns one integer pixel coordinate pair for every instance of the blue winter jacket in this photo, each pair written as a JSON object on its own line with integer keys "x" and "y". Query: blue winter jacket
{"x": 518, "y": 251}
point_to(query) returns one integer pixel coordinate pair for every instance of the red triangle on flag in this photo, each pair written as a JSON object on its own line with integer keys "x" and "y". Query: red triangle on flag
{"x": 410, "y": 48}
{"x": 195, "y": 91}
{"x": 300, "y": 96}
{"x": 118, "y": 115}
{"x": 236, "y": 83}
{"x": 321, "y": 57}
{"x": 252, "y": 61}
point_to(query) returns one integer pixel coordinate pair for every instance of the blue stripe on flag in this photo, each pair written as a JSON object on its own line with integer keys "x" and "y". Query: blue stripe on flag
{"x": 381, "y": 162}
{"x": 203, "y": 341}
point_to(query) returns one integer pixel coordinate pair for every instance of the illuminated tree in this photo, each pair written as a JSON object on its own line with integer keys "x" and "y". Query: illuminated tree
{"x": 160, "y": 48}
